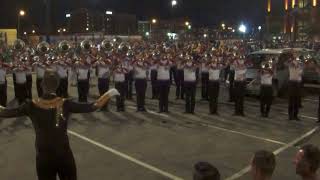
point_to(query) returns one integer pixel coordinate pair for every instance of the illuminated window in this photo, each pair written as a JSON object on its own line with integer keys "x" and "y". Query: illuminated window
{"x": 286, "y": 4}
{"x": 293, "y": 3}
{"x": 269, "y": 6}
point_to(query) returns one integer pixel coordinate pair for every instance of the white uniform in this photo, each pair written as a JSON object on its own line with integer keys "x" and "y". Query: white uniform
{"x": 214, "y": 74}
{"x": 119, "y": 77}
{"x": 240, "y": 74}
{"x": 62, "y": 71}
{"x": 2, "y": 75}
{"x": 189, "y": 74}
{"x": 21, "y": 76}
{"x": 163, "y": 72}
{"x": 40, "y": 72}
{"x": 266, "y": 79}
{"x": 295, "y": 73}
{"x": 82, "y": 73}
{"x": 103, "y": 71}
{"x": 140, "y": 73}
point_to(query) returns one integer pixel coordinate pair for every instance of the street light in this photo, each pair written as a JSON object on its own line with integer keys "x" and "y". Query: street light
{"x": 33, "y": 31}
{"x": 25, "y": 33}
{"x": 174, "y": 3}
{"x": 68, "y": 15}
{"x": 64, "y": 30}
{"x": 189, "y": 27}
{"x": 21, "y": 14}
{"x": 109, "y": 12}
{"x": 187, "y": 23}
{"x": 147, "y": 33}
{"x": 259, "y": 28}
{"x": 154, "y": 21}
{"x": 205, "y": 35}
{"x": 242, "y": 28}
{"x": 87, "y": 29}
{"x": 59, "y": 30}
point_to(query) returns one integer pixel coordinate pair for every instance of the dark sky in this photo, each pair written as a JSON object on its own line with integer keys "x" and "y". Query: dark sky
{"x": 201, "y": 12}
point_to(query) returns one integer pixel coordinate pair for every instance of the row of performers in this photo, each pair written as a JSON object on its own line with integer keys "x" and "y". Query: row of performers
{"x": 185, "y": 73}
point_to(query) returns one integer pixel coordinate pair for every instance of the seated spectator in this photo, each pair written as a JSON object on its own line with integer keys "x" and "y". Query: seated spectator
{"x": 205, "y": 171}
{"x": 307, "y": 162}
{"x": 263, "y": 165}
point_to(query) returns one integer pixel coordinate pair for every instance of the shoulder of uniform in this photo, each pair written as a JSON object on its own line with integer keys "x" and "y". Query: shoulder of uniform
{"x": 49, "y": 104}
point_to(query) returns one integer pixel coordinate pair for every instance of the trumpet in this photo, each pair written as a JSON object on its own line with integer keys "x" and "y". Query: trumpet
{"x": 267, "y": 65}
{"x": 124, "y": 47}
{"x": 43, "y": 47}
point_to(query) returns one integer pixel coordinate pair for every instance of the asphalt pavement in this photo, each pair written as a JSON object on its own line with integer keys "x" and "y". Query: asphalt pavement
{"x": 152, "y": 146}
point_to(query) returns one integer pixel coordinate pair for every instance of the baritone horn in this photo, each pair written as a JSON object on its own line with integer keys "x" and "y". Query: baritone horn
{"x": 64, "y": 46}
{"x": 106, "y": 45}
{"x": 43, "y": 47}
{"x": 86, "y": 45}
{"x": 18, "y": 45}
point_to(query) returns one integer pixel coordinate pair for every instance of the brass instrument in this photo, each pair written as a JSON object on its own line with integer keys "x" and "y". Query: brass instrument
{"x": 43, "y": 47}
{"x": 86, "y": 45}
{"x": 107, "y": 46}
{"x": 18, "y": 45}
{"x": 266, "y": 65}
{"x": 64, "y": 46}
{"x": 124, "y": 47}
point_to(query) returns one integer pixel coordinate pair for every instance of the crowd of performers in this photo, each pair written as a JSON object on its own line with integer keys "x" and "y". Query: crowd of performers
{"x": 164, "y": 64}
{"x": 126, "y": 64}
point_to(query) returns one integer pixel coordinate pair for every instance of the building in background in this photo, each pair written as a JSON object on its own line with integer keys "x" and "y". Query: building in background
{"x": 293, "y": 19}
{"x": 87, "y": 21}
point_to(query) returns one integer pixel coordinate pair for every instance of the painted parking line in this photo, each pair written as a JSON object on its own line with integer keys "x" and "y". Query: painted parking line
{"x": 202, "y": 123}
{"x": 276, "y": 152}
{"x": 304, "y": 116}
{"x": 125, "y": 156}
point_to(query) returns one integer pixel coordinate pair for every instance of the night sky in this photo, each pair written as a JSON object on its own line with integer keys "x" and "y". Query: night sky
{"x": 201, "y": 12}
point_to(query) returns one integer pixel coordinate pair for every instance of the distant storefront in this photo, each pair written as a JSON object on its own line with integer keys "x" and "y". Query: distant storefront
{"x": 8, "y": 36}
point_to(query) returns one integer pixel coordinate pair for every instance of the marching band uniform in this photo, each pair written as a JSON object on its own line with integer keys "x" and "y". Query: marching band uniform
{"x": 295, "y": 77}
{"x": 120, "y": 85}
{"x": 103, "y": 70}
{"x": 214, "y": 86}
{"x": 49, "y": 116}
{"x": 40, "y": 69}
{"x": 3, "y": 85}
{"x": 179, "y": 81}
{"x": 20, "y": 83}
{"x": 62, "y": 71}
{"x": 153, "y": 77}
{"x": 266, "y": 91}
{"x": 190, "y": 83}
{"x": 129, "y": 77}
{"x": 204, "y": 81}
{"x": 164, "y": 83}
{"x": 231, "y": 74}
{"x": 140, "y": 70}
{"x": 239, "y": 86}
{"x": 29, "y": 82}
{"x": 83, "y": 82}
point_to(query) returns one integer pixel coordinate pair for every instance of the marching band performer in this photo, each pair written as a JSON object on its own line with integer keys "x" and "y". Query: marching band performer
{"x": 239, "y": 84}
{"x": 62, "y": 70}
{"x": 230, "y": 78}
{"x": 214, "y": 68}
{"x": 266, "y": 89}
{"x": 129, "y": 76}
{"x": 294, "y": 87}
{"x": 179, "y": 78}
{"x": 103, "y": 70}
{"x": 153, "y": 76}
{"x": 49, "y": 116}
{"x": 28, "y": 70}
{"x": 20, "y": 76}
{"x": 39, "y": 66}
{"x": 3, "y": 83}
{"x": 120, "y": 85}
{"x": 140, "y": 75}
{"x": 190, "y": 83}
{"x": 83, "y": 74}
{"x": 163, "y": 82}
{"x": 204, "y": 78}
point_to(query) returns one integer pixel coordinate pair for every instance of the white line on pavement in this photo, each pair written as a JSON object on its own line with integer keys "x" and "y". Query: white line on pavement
{"x": 304, "y": 116}
{"x": 313, "y": 100}
{"x": 127, "y": 157}
{"x": 219, "y": 128}
{"x": 276, "y": 152}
